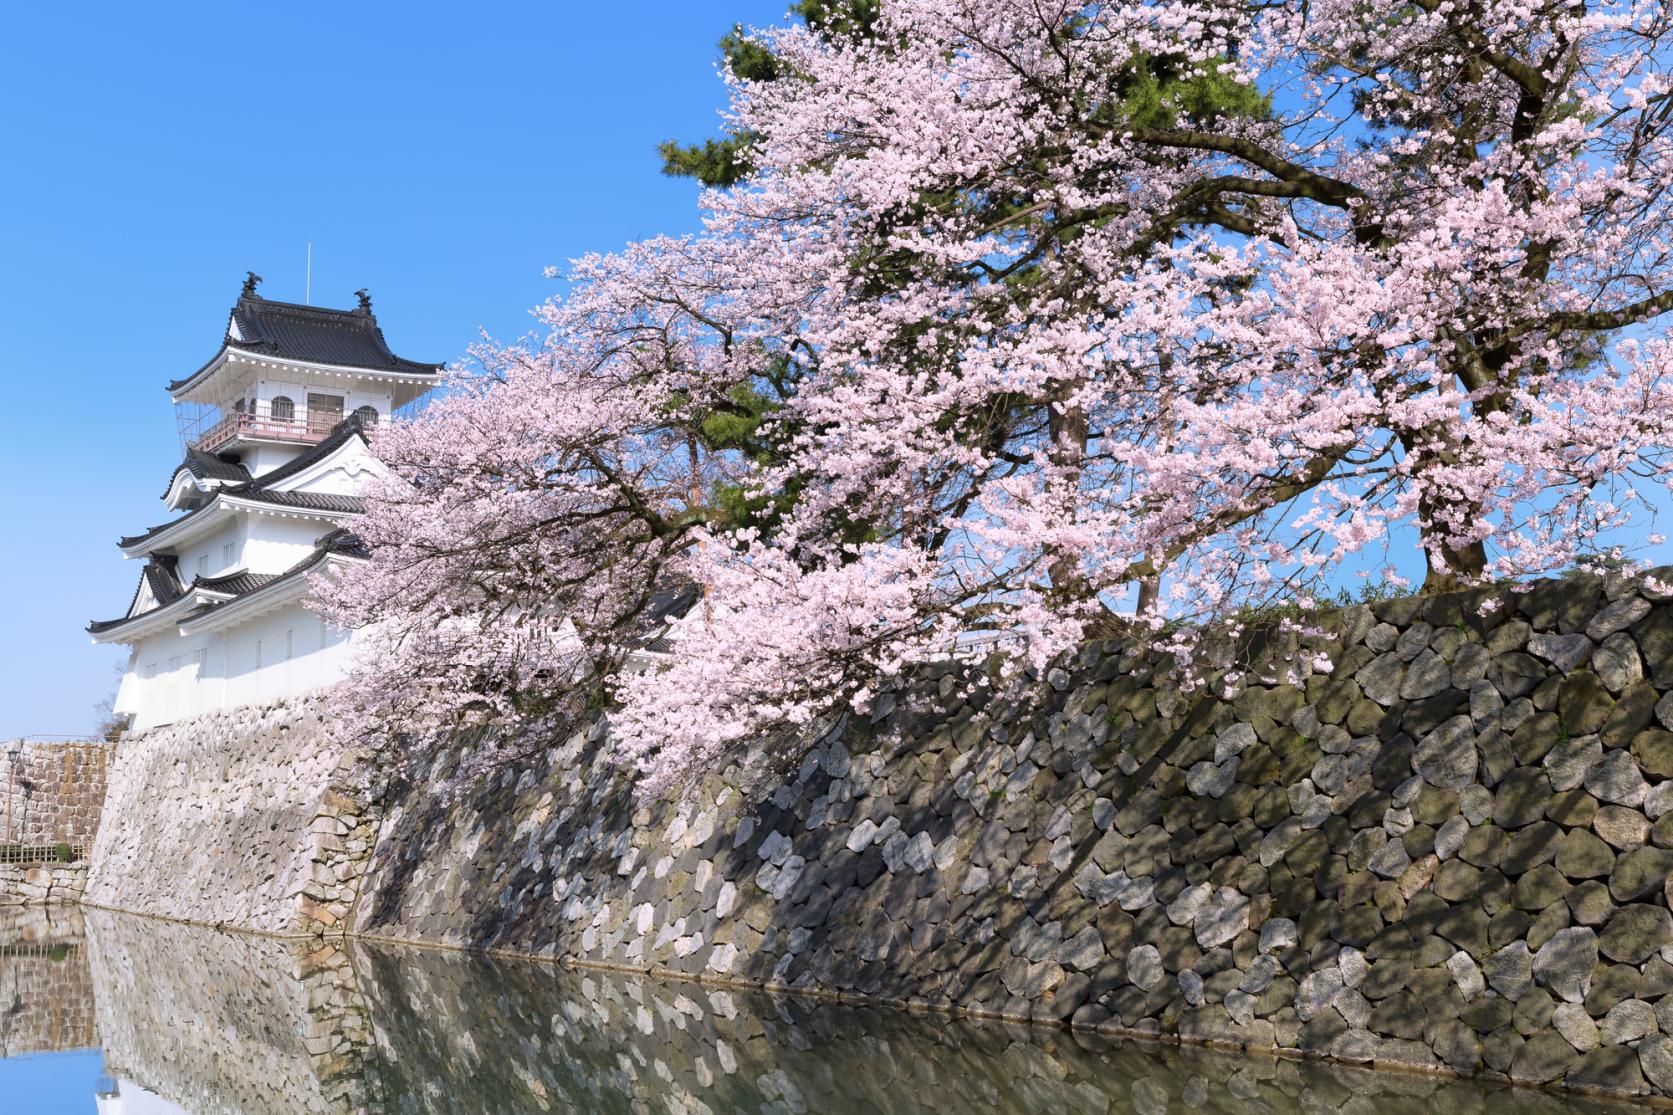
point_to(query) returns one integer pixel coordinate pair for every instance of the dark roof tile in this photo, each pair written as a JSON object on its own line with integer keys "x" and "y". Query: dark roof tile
{"x": 241, "y": 583}
{"x": 314, "y": 334}
{"x": 235, "y": 583}
{"x": 208, "y": 466}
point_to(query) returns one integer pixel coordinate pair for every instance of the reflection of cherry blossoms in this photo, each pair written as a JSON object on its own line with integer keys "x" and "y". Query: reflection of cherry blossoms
{"x": 1028, "y": 305}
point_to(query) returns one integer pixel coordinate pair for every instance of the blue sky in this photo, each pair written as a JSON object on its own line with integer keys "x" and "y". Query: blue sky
{"x": 51, "y": 1084}
{"x": 440, "y": 154}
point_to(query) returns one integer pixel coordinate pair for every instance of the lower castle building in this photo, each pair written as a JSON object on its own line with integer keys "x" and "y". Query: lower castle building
{"x": 278, "y": 430}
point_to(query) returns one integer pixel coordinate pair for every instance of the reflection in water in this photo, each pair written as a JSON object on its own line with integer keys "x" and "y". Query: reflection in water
{"x": 46, "y": 990}
{"x": 201, "y": 1022}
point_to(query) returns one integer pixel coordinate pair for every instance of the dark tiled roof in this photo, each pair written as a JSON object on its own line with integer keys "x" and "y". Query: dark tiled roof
{"x": 207, "y": 466}
{"x": 303, "y": 501}
{"x": 100, "y": 626}
{"x": 306, "y": 501}
{"x": 345, "y": 542}
{"x": 242, "y": 584}
{"x": 315, "y": 334}
{"x": 667, "y": 604}
{"x": 235, "y": 583}
{"x": 162, "y": 574}
{"x": 342, "y": 542}
{"x": 671, "y": 602}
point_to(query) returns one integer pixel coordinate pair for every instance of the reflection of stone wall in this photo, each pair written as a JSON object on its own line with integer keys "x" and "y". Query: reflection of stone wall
{"x": 53, "y": 793}
{"x": 221, "y": 1023}
{"x": 473, "y": 1037}
{"x": 231, "y": 818}
{"x": 218, "y": 1022}
{"x": 46, "y": 990}
{"x": 1427, "y": 836}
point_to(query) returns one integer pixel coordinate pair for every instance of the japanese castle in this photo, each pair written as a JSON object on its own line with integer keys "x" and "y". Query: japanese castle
{"x": 277, "y": 430}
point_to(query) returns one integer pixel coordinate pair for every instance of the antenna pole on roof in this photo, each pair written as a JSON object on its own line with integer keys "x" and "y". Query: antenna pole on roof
{"x": 308, "y": 283}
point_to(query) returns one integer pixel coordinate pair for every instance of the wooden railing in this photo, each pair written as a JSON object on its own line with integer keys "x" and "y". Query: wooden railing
{"x": 300, "y": 431}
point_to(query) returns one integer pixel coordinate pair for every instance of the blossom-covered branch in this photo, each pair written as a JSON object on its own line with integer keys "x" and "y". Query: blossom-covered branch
{"x": 1024, "y": 305}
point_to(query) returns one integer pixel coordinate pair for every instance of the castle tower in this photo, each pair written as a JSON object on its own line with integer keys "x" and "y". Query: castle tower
{"x": 276, "y": 430}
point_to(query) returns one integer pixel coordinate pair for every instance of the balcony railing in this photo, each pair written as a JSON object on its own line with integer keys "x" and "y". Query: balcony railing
{"x": 264, "y": 427}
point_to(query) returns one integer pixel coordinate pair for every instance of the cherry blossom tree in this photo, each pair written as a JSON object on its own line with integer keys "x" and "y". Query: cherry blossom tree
{"x": 1055, "y": 319}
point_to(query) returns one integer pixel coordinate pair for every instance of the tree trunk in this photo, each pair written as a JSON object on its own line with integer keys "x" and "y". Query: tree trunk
{"x": 1068, "y": 428}
{"x": 1449, "y": 568}
{"x": 1150, "y": 595}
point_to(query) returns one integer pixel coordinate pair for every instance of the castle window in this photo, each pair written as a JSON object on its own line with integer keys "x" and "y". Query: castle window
{"x": 283, "y": 408}
{"x": 368, "y": 416}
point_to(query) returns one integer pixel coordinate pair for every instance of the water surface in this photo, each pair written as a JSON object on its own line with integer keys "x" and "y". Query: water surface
{"x": 126, "y": 1016}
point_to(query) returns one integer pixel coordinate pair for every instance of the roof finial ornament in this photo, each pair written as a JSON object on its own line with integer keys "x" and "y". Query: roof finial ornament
{"x": 365, "y": 300}
{"x": 250, "y": 281}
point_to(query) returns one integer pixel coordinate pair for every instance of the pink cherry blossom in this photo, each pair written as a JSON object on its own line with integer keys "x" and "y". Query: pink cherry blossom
{"x": 1044, "y": 361}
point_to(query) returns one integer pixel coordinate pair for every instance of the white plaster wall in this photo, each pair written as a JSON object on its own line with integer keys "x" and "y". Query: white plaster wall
{"x": 131, "y": 1099}
{"x": 288, "y": 651}
{"x": 255, "y": 664}
{"x": 262, "y": 459}
{"x": 165, "y": 681}
{"x": 212, "y": 548}
{"x": 274, "y": 542}
{"x": 297, "y": 391}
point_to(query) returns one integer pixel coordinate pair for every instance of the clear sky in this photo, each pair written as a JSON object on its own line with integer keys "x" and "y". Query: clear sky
{"x": 51, "y": 1084}
{"x": 440, "y": 154}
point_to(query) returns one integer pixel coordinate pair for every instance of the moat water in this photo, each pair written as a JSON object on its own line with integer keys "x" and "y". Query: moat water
{"x": 127, "y": 1016}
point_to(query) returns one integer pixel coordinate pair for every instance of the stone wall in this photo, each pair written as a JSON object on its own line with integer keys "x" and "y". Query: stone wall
{"x": 236, "y": 818}
{"x": 51, "y": 793}
{"x": 1426, "y": 835}
{"x": 42, "y": 884}
{"x": 1429, "y": 836}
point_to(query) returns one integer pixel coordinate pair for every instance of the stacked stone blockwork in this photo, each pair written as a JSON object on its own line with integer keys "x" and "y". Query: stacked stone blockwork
{"x": 242, "y": 818}
{"x": 51, "y": 792}
{"x": 1430, "y": 836}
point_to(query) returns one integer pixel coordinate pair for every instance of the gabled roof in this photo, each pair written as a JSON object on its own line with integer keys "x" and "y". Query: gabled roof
{"x": 311, "y": 334}
{"x": 208, "y": 466}
{"x": 301, "y": 501}
{"x": 338, "y": 544}
{"x": 259, "y": 489}
{"x": 161, "y": 577}
{"x": 342, "y": 433}
{"x": 209, "y": 594}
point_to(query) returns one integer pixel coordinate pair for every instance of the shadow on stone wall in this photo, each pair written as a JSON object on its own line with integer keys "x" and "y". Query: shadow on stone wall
{"x": 1425, "y": 836}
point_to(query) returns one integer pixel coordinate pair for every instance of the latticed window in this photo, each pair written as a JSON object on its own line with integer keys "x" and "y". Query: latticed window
{"x": 282, "y": 408}
{"x": 368, "y": 416}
